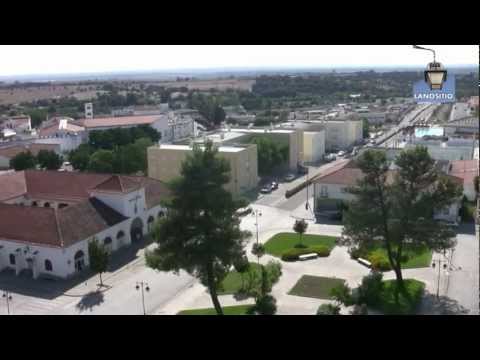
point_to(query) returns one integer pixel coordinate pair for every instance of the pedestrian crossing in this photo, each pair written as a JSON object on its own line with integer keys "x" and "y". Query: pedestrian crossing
{"x": 24, "y": 305}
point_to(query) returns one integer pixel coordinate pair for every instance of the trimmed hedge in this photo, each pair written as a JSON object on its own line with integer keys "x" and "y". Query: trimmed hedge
{"x": 294, "y": 254}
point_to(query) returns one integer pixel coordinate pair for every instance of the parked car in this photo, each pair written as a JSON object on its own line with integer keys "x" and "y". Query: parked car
{"x": 289, "y": 177}
{"x": 274, "y": 185}
{"x": 244, "y": 211}
{"x": 341, "y": 153}
{"x": 267, "y": 189}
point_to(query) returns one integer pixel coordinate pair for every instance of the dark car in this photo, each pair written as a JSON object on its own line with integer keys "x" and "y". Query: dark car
{"x": 274, "y": 185}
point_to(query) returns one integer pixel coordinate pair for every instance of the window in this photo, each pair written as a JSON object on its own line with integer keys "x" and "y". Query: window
{"x": 161, "y": 214}
{"x": 34, "y": 203}
{"x": 12, "y": 259}
{"x": 47, "y": 205}
{"x": 61, "y": 206}
{"x": 107, "y": 241}
{"x": 324, "y": 191}
{"x": 48, "y": 265}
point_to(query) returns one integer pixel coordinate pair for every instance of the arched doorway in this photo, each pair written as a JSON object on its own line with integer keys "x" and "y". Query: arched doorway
{"x": 120, "y": 239}
{"x": 79, "y": 260}
{"x": 107, "y": 242}
{"x": 150, "y": 223}
{"x": 161, "y": 214}
{"x": 136, "y": 230}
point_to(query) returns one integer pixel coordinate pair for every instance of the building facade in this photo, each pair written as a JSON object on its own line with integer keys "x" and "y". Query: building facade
{"x": 47, "y": 218}
{"x": 165, "y": 160}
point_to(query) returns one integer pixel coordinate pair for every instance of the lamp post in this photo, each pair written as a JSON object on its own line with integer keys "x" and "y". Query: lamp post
{"x": 435, "y": 74}
{"x": 8, "y": 297}
{"x": 256, "y": 213}
{"x": 141, "y": 285}
{"x": 434, "y": 264}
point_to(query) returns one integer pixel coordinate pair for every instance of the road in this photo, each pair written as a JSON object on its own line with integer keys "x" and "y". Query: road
{"x": 420, "y": 113}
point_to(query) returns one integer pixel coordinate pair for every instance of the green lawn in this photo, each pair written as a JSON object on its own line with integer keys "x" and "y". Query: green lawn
{"x": 386, "y": 302}
{"x": 315, "y": 287}
{"x": 227, "y": 310}
{"x": 233, "y": 281}
{"x": 282, "y": 242}
{"x": 417, "y": 258}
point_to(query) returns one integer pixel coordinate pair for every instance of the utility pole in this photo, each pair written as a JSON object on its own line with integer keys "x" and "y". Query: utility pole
{"x": 8, "y": 298}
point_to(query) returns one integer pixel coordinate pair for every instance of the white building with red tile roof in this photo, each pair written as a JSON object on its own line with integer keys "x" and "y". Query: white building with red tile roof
{"x": 47, "y": 218}
{"x": 331, "y": 188}
{"x": 62, "y": 131}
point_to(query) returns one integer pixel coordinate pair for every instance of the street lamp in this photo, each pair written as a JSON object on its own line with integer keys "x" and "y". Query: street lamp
{"x": 435, "y": 74}
{"x": 8, "y": 297}
{"x": 256, "y": 213}
{"x": 141, "y": 285}
{"x": 434, "y": 264}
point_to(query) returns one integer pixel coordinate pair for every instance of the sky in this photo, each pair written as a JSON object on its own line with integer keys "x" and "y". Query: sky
{"x": 72, "y": 59}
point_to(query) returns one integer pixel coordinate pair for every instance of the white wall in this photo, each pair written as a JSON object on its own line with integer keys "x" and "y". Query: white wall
{"x": 67, "y": 142}
{"x": 4, "y": 162}
{"x": 333, "y": 191}
{"x": 63, "y": 264}
{"x": 124, "y": 203}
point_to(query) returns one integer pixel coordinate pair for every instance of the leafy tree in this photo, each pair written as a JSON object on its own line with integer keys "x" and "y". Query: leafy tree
{"x": 266, "y": 305}
{"x": 101, "y": 161}
{"x": 342, "y": 294}
{"x": 328, "y": 309}
{"x": 270, "y": 154}
{"x": 261, "y": 283}
{"x": 201, "y": 232}
{"x": 80, "y": 157}
{"x": 300, "y": 227}
{"x": 396, "y": 207}
{"x": 98, "y": 257}
{"x": 258, "y": 250}
{"x": 370, "y": 289}
{"x": 242, "y": 266}
{"x": 49, "y": 160}
{"x": 23, "y": 161}
{"x": 366, "y": 128}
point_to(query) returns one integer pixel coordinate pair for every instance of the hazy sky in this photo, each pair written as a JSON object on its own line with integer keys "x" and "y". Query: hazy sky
{"x": 56, "y": 59}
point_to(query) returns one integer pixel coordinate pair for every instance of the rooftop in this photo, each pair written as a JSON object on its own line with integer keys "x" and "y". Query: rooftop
{"x": 12, "y": 151}
{"x": 120, "y": 121}
{"x": 188, "y": 147}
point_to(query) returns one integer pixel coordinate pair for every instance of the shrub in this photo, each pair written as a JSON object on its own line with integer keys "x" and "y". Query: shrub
{"x": 342, "y": 294}
{"x": 294, "y": 253}
{"x": 274, "y": 271}
{"x": 258, "y": 250}
{"x": 370, "y": 290}
{"x": 360, "y": 310}
{"x": 379, "y": 261}
{"x": 328, "y": 309}
{"x": 266, "y": 305}
{"x": 321, "y": 250}
{"x": 354, "y": 253}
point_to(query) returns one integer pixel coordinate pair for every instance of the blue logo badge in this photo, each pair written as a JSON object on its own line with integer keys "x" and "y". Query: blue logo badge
{"x": 423, "y": 94}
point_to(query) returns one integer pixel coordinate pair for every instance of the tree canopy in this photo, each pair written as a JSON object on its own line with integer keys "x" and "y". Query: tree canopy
{"x": 49, "y": 160}
{"x": 23, "y": 161}
{"x": 200, "y": 233}
{"x": 398, "y": 207}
